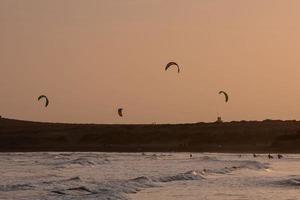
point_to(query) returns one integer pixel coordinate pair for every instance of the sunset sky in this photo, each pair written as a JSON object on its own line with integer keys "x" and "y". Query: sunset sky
{"x": 92, "y": 56}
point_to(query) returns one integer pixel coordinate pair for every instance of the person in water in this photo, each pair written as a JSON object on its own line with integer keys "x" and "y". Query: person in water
{"x": 270, "y": 157}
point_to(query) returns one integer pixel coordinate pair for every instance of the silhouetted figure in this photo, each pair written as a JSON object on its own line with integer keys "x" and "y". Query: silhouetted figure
{"x": 279, "y": 156}
{"x": 254, "y": 155}
{"x": 270, "y": 157}
{"x": 240, "y": 156}
{"x": 191, "y": 155}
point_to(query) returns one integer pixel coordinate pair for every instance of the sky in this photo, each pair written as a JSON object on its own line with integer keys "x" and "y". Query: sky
{"x": 91, "y": 57}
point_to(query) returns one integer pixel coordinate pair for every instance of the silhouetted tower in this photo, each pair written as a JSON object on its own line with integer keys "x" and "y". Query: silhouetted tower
{"x": 219, "y": 120}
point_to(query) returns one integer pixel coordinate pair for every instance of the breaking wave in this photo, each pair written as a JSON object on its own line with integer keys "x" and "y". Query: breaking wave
{"x": 76, "y": 187}
{"x": 15, "y": 187}
{"x": 118, "y": 189}
{"x": 62, "y": 181}
{"x": 292, "y": 181}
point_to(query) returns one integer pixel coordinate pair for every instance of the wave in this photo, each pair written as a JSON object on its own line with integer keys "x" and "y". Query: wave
{"x": 72, "y": 179}
{"x": 15, "y": 187}
{"x": 190, "y": 175}
{"x": 292, "y": 181}
{"x": 81, "y": 161}
{"x": 208, "y": 158}
{"x": 76, "y": 187}
{"x": 118, "y": 189}
{"x": 238, "y": 165}
{"x": 253, "y": 165}
{"x": 67, "y": 162}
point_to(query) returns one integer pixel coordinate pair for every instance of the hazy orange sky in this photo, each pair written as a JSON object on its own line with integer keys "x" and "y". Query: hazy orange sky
{"x": 92, "y": 56}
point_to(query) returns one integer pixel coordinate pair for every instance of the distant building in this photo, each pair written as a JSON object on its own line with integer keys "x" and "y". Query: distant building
{"x": 219, "y": 120}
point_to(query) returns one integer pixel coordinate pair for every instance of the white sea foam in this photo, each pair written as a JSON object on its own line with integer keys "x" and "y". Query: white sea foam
{"x": 119, "y": 176}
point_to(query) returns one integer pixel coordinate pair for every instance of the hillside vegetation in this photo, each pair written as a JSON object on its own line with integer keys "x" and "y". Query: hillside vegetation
{"x": 253, "y": 136}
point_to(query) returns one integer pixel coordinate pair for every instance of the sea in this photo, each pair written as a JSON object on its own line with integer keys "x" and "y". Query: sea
{"x": 148, "y": 176}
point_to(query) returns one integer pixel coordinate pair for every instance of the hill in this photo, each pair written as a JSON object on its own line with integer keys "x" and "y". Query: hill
{"x": 244, "y": 136}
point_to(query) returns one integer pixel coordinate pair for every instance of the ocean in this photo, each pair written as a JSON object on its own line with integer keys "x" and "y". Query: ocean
{"x": 148, "y": 176}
